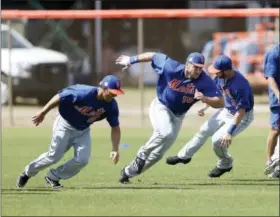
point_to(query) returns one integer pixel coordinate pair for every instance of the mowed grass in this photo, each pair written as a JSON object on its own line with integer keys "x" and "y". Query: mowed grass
{"x": 183, "y": 190}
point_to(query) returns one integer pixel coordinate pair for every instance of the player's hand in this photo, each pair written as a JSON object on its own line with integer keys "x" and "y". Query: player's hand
{"x": 199, "y": 96}
{"x": 226, "y": 140}
{"x": 114, "y": 155}
{"x": 124, "y": 61}
{"x": 201, "y": 112}
{"x": 38, "y": 118}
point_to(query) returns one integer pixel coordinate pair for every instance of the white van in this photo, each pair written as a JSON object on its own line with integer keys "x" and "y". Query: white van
{"x": 36, "y": 72}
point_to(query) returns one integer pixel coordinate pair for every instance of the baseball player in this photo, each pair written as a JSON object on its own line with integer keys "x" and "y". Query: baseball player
{"x": 225, "y": 123}
{"x": 179, "y": 86}
{"x": 79, "y": 106}
{"x": 272, "y": 74}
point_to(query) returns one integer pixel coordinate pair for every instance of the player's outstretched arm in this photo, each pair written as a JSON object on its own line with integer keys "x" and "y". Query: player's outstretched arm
{"x": 127, "y": 61}
{"x": 227, "y": 138}
{"x": 215, "y": 101}
{"x": 39, "y": 117}
{"x": 115, "y": 137}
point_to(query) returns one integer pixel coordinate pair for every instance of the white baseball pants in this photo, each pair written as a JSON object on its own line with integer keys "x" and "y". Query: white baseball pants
{"x": 166, "y": 127}
{"x": 275, "y": 155}
{"x": 216, "y": 127}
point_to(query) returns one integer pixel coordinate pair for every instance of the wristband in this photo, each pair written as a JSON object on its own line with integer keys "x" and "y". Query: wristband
{"x": 133, "y": 59}
{"x": 231, "y": 129}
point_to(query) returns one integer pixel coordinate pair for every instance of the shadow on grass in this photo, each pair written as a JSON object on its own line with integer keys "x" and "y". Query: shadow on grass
{"x": 150, "y": 186}
{"x": 234, "y": 184}
{"x": 254, "y": 180}
{"x": 39, "y": 190}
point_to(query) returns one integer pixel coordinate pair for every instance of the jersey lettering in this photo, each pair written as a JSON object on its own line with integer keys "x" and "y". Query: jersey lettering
{"x": 93, "y": 115}
{"x": 187, "y": 99}
{"x": 175, "y": 85}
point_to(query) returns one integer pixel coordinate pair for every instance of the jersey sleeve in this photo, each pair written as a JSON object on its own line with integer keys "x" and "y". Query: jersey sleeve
{"x": 270, "y": 65}
{"x": 158, "y": 62}
{"x": 113, "y": 116}
{"x": 242, "y": 99}
{"x": 209, "y": 87}
{"x": 68, "y": 95}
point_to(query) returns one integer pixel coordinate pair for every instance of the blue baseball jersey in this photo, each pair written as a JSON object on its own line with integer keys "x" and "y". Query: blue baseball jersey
{"x": 176, "y": 91}
{"x": 272, "y": 69}
{"x": 78, "y": 104}
{"x": 237, "y": 92}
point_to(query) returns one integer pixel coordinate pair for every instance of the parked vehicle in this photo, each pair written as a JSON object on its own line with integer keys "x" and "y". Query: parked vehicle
{"x": 36, "y": 72}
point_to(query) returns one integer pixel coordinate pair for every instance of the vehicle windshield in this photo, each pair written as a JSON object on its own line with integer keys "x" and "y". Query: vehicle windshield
{"x": 17, "y": 41}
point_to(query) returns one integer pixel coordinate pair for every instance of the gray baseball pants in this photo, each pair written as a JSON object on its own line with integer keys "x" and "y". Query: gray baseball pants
{"x": 166, "y": 127}
{"x": 64, "y": 137}
{"x": 216, "y": 127}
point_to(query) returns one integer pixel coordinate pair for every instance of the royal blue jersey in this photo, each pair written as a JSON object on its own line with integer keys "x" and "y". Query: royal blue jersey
{"x": 272, "y": 69}
{"x": 237, "y": 92}
{"x": 176, "y": 91}
{"x": 78, "y": 104}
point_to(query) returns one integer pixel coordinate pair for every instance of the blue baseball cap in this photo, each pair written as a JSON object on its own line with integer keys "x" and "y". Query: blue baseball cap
{"x": 196, "y": 59}
{"x": 112, "y": 83}
{"x": 221, "y": 63}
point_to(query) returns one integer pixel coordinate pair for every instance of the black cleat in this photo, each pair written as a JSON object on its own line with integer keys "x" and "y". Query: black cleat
{"x": 173, "y": 160}
{"x": 124, "y": 179}
{"x": 54, "y": 184}
{"x": 22, "y": 180}
{"x": 217, "y": 172}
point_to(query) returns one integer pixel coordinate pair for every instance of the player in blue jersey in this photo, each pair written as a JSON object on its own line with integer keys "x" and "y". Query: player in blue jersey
{"x": 225, "y": 123}
{"x": 272, "y": 74}
{"x": 79, "y": 106}
{"x": 179, "y": 86}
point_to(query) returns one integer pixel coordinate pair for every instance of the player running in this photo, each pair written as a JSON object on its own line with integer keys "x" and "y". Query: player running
{"x": 272, "y": 74}
{"x": 225, "y": 123}
{"x": 79, "y": 106}
{"x": 179, "y": 86}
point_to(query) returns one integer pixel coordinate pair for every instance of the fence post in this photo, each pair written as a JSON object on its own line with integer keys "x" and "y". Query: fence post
{"x": 140, "y": 42}
{"x": 10, "y": 80}
{"x": 98, "y": 42}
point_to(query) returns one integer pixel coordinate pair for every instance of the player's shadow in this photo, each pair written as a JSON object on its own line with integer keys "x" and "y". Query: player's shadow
{"x": 232, "y": 184}
{"x": 132, "y": 187}
{"x": 39, "y": 190}
{"x": 255, "y": 180}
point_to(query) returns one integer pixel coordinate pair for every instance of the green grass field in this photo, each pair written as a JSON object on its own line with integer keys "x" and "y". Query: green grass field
{"x": 183, "y": 190}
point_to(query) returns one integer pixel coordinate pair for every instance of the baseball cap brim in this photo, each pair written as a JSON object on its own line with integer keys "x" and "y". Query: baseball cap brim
{"x": 116, "y": 91}
{"x": 199, "y": 65}
{"x": 213, "y": 70}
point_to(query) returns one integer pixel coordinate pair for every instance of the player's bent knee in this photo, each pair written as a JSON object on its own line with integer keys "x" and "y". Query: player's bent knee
{"x": 81, "y": 162}
{"x": 54, "y": 158}
{"x": 166, "y": 134}
{"x": 215, "y": 142}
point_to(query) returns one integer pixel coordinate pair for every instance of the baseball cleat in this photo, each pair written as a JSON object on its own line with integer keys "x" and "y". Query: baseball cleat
{"x": 22, "y": 180}
{"x": 217, "y": 172}
{"x": 124, "y": 179}
{"x": 173, "y": 160}
{"x": 270, "y": 168}
{"x": 54, "y": 184}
